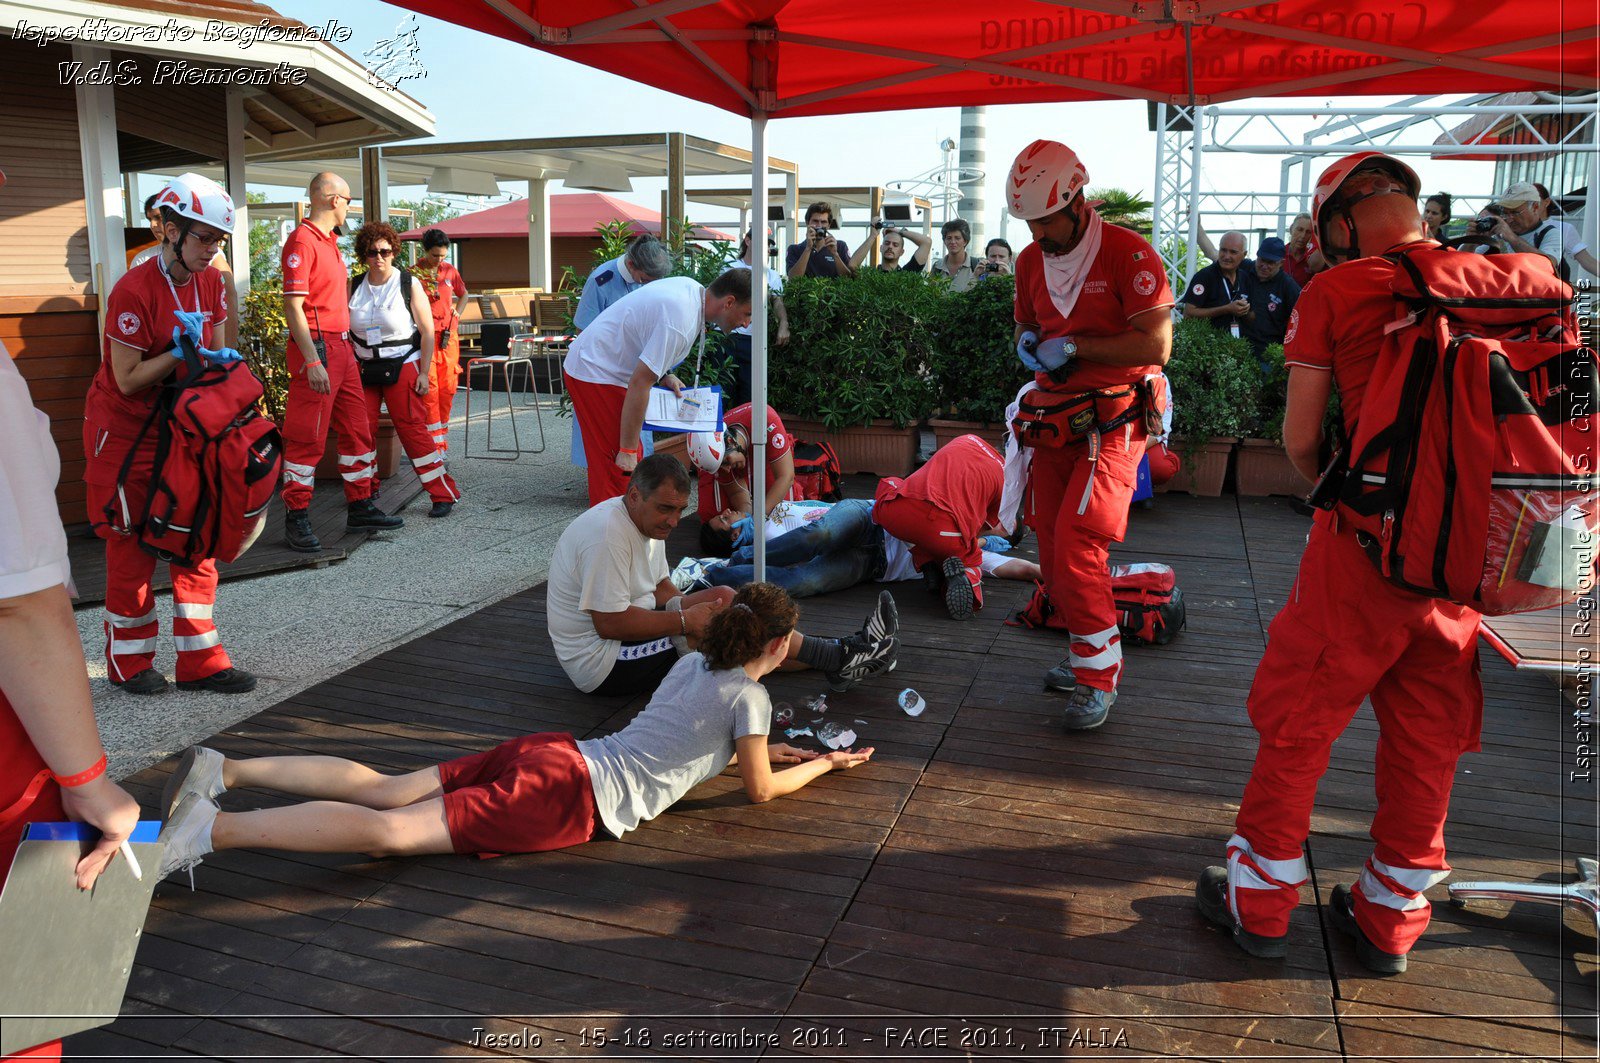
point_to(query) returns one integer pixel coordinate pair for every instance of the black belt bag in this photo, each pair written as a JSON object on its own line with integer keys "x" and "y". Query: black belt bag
{"x": 1048, "y": 420}
{"x": 380, "y": 372}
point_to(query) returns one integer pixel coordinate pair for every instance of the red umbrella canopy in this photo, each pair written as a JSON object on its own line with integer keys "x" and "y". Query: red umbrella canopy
{"x": 811, "y": 57}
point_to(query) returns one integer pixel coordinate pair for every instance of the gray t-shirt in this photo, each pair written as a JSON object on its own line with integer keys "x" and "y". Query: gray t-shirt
{"x": 682, "y": 738}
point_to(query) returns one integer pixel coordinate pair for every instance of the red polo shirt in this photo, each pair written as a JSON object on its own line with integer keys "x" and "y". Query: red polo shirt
{"x": 1126, "y": 278}
{"x": 140, "y": 313}
{"x": 314, "y": 267}
{"x": 443, "y": 289}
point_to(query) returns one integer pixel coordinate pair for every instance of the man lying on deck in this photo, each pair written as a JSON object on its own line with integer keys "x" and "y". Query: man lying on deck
{"x": 817, "y": 547}
{"x": 619, "y": 625}
{"x": 534, "y": 793}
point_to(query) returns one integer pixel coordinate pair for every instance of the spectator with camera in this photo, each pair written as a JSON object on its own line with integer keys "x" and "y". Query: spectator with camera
{"x": 1216, "y": 292}
{"x": 894, "y": 245}
{"x": 820, "y": 254}
{"x": 1515, "y": 222}
{"x": 956, "y": 263}
{"x": 996, "y": 261}
{"x": 1572, "y": 245}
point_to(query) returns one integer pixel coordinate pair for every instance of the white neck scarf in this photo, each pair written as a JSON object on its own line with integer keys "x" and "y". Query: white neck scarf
{"x": 1064, "y": 274}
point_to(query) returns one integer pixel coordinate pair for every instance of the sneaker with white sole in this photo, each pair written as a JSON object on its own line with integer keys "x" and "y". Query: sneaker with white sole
{"x": 884, "y": 620}
{"x": 863, "y": 660}
{"x": 187, "y": 836}
{"x": 690, "y": 574}
{"x": 199, "y": 771}
{"x": 1087, "y": 708}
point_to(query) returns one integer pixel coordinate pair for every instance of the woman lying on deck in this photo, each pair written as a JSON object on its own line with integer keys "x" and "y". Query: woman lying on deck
{"x": 537, "y": 792}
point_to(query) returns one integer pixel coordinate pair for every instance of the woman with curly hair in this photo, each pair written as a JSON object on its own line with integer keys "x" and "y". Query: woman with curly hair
{"x": 391, "y": 326}
{"x": 534, "y": 793}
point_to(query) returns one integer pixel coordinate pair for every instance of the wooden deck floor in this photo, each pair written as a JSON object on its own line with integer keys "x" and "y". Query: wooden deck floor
{"x": 986, "y": 879}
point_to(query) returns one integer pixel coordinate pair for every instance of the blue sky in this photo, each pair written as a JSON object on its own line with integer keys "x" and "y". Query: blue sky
{"x": 479, "y": 86}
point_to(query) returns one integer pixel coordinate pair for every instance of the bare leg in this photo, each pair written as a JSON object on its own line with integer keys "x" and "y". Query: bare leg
{"x": 332, "y": 779}
{"x": 337, "y": 827}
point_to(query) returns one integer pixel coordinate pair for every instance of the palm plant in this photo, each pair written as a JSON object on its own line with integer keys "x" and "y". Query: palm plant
{"x": 1121, "y": 207}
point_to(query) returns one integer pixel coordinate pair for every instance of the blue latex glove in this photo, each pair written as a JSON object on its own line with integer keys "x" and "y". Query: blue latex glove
{"x": 1026, "y": 346}
{"x": 997, "y": 544}
{"x": 1052, "y": 354}
{"x": 744, "y": 532}
{"x": 221, "y": 357}
{"x": 191, "y": 323}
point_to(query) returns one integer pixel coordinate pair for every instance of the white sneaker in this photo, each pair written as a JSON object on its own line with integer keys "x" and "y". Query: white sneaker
{"x": 187, "y": 835}
{"x": 199, "y": 771}
{"x": 690, "y": 574}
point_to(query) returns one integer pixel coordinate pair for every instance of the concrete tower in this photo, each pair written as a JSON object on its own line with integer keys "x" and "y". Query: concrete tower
{"x": 974, "y": 156}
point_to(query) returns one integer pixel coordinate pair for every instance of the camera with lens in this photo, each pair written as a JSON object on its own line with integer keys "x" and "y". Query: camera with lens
{"x": 885, "y": 226}
{"x": 1485, "y": 224}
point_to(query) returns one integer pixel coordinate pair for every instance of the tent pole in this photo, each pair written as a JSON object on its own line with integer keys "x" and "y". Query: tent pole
{"x": 758, "y": 338}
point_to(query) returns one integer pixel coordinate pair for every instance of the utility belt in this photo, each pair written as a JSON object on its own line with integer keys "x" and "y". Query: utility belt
{"x": 379, "y": 370}
{"x": 1049, "y": 420}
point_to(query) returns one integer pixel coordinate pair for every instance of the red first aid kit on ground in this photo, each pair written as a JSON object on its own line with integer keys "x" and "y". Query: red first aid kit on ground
{"x": 1149, "y": 604}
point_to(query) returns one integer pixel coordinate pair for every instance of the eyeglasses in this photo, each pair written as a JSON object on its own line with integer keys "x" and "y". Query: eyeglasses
{"x": 381, "y": 252}
{"x": 210, "y": 241}
{"x": 335, "y": 196}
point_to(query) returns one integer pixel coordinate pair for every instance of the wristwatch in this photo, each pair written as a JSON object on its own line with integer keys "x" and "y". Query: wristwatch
{"x": 1069, "y": 347}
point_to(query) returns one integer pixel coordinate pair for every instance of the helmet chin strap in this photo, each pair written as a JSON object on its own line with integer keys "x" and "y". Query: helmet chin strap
{"x": 1343, "y": 211}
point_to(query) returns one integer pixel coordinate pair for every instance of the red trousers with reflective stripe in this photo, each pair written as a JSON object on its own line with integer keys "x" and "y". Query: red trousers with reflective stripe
{"x": 407, "y": 410}
{"x": 19, "y": 763}
{"x": 598, "y": 410}
{"x": 309, "y": 416}
{"x": 1074, "y": 547}
{"x": 1345, "y": 635}
{"x": 932, "y": 534}
{"x": 130, "y": 621}
{"x": 443, "y": 375}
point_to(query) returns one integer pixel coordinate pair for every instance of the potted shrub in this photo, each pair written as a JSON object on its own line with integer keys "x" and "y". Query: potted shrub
{"x": 1263, "y": 466}
{"x": 975, "y": 361}
{"x": 855, "y": 371}
{"x": 1216, "y": 384}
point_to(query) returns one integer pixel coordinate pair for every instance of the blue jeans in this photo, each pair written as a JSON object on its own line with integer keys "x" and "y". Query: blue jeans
{"x": 835, "y": 551}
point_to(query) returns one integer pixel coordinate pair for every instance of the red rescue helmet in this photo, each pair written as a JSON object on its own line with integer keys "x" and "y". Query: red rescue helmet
{"x": 1326, "y": 203}
{"x": 1044, "y": 178}
{"x": 706, "y": 451}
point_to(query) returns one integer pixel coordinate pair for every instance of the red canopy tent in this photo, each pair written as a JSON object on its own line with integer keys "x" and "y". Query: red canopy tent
{"x": 792, "y": 58}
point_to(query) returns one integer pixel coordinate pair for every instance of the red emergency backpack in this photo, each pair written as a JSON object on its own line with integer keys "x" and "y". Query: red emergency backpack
{"x": 1470, "y": 469}
{"x": 1149, "y": 603}
{"x": 216, "y": 467}
{"x": 818, "y": 476}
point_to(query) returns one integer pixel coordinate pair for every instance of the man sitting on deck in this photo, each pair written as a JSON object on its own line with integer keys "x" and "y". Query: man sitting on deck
{"x": 618, "y": 623}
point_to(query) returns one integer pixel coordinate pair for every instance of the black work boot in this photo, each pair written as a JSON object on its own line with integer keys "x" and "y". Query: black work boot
{"x": 226, "y": 681}
{"x": 363, "y": 515}
{"x": 148, "y": 681}
{"x": 1342, "y": 913}
{"x": 1211, "y": 897}
{"x": 297, "y": 533}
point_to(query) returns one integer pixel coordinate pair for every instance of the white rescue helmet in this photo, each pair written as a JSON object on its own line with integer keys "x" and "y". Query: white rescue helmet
{"x": 1044, "y": 178}
{"x": 1324, "y": 202}
{"x": 706, "y": 451}
{"x": 199, "y": 199}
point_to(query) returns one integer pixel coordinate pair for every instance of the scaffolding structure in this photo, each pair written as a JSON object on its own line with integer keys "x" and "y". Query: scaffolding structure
{"x": 1420, "y": 126}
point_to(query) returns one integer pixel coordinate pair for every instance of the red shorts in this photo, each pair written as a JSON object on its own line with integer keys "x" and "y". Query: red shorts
{"x": 528, "y": 795}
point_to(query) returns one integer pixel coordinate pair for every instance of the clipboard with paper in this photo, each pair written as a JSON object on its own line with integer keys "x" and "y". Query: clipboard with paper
{"x": 69, "y": 951}
{"x": 698, "y": 410}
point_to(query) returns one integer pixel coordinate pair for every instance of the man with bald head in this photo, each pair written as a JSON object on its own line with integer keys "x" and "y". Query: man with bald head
{"x": 324, "y": 384}
{"x": 1215, "y": 291}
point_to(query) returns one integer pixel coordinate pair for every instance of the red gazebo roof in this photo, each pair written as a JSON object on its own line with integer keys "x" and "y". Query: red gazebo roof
{"x": 571, "y": 214}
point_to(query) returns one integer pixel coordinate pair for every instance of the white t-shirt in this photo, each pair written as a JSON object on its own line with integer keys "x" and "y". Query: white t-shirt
{"x": 602, "y": 564}
{"x": 898, "y": 566}
{"x": 33, "y": 547}
{"x": 774, "y": 287}
{"x": 657, "y": 324}
{"x": 1563, "y": 242}
{"x": 379, "y": 307}
{"x": 683, "y": 737}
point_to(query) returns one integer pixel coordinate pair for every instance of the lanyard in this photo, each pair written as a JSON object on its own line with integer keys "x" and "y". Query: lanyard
{"x": 166, "y": 275}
